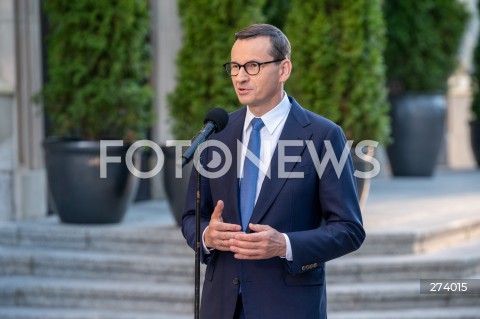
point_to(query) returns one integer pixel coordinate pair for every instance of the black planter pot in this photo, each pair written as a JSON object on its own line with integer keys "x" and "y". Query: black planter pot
{"x": 475, "y": 139}
{"x": 144, "y": 187}
{"x": 78, "y": 193}
{"x": 176, "y": 188}
{"x": 418, "y": 123}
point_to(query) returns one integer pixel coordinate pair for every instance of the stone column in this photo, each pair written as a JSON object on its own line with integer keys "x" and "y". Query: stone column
{"x": 31, "y": 187}
{"x": 166, "y": 40}
{"x": 458, "y": 148}
{"x": 22, "y": 177}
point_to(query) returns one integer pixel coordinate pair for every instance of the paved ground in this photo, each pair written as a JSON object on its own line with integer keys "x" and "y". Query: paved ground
{"x": 415, "y": 204}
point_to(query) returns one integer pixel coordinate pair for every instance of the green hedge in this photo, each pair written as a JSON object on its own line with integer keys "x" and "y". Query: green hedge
{"x": 208, "y": 35}
{"x": 423, "y": 41}
{"x": 276, "y": 12}
{"x": 338, "y": 69}
{"x": 98, "y": 67}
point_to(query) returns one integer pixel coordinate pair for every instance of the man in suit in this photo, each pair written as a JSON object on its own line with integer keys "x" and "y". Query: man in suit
{"x": 269, "y": 225}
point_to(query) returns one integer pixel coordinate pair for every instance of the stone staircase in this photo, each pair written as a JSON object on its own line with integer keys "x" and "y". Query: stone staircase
{"x": 142, "y": 269}
{"x": 139, "y": 269}
{"x": 388, "y": 286}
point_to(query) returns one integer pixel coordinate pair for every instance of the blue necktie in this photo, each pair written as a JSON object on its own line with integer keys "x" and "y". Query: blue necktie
{"x": 248, "y": 185}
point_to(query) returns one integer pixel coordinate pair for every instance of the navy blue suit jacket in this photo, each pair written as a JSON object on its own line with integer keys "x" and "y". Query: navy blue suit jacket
{"x": 320, "y": 215}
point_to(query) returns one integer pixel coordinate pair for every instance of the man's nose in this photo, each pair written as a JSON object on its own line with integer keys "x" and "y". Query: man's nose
{"x": 242, "y": 75}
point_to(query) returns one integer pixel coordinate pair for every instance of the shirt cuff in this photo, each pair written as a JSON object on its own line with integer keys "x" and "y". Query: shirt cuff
{"x": 206, "y": 250}
{"x": 288, "y": 253}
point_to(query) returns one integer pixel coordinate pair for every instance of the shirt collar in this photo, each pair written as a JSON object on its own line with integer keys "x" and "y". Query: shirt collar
{"x": 273, "y": 117}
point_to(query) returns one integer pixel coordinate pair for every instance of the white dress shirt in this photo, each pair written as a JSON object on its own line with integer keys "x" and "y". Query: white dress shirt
{"x": 274, "y": 121}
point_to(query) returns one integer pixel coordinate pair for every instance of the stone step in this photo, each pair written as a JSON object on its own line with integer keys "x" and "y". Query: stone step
{"x": 458, "y": 262}
{"x": 96, "y": 294}
{"x": 95, "y": 265}
{"x": 178, "y": 298}
{"x": 422, "y": 240}
{"x": 159, "y": 240}
{"x": 389, "y": 295}
{"x": 429, "y": 313}
{"x": 156, "y": 237}
{"x": 69, "y": 313}
{"x": 59, "y": 313}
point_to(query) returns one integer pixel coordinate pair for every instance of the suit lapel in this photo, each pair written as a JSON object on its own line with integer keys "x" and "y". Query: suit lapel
{"x": 235, "y": 129}
{"x": 294, "y": 129}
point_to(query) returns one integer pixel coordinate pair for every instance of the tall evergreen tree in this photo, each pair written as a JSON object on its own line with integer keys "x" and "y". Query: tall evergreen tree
{"x": 423, "y": 41}
{"x": 276, "y": 12}
{"x": 98, "y": 69}
{"x": 338, "y": 67}
{"x": 208, "y": 35}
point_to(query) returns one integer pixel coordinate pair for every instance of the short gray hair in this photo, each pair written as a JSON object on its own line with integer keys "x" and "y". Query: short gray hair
{"x": 280, "y": 46}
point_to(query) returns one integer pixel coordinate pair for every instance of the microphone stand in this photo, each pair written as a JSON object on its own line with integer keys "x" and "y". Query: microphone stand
{"x": 215, "y": 121}
{"x": 198, "y": 243}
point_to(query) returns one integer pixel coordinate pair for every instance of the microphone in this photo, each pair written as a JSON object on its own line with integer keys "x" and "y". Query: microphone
{"x": 215, "y": 121}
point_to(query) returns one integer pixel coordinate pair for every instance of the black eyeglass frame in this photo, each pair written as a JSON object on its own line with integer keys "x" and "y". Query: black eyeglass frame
{"x": 226, "y": 66}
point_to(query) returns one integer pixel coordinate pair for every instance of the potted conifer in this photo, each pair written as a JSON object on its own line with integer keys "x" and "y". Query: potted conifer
{"x": 423, "y": 41}
{"x": 337, "y": 50}
{"x": 97, "y": 89}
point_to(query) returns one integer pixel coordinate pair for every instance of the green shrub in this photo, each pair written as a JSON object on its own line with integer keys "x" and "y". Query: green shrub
{"x": 338, "y": 69}
{"x": 98, "y": 69}
{"x": 423, "y": 41}
{"x": 276, "y": 12}
{"x": 208, "y": 35}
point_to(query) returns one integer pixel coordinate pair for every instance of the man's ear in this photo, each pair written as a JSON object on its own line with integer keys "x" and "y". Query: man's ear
{"x": 285, "y": 70}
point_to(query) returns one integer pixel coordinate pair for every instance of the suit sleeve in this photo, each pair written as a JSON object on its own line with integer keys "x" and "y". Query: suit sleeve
{"x": 341, "y": 230}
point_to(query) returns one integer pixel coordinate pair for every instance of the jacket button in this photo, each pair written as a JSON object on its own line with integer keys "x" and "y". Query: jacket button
{"x": 235, "y": 281}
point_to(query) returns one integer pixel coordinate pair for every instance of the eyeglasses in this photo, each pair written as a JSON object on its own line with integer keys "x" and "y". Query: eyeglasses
{"x": 251, "y": 67}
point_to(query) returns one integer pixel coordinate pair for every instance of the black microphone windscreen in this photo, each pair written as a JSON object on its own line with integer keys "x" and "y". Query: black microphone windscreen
{"x": 219, "y": 117}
